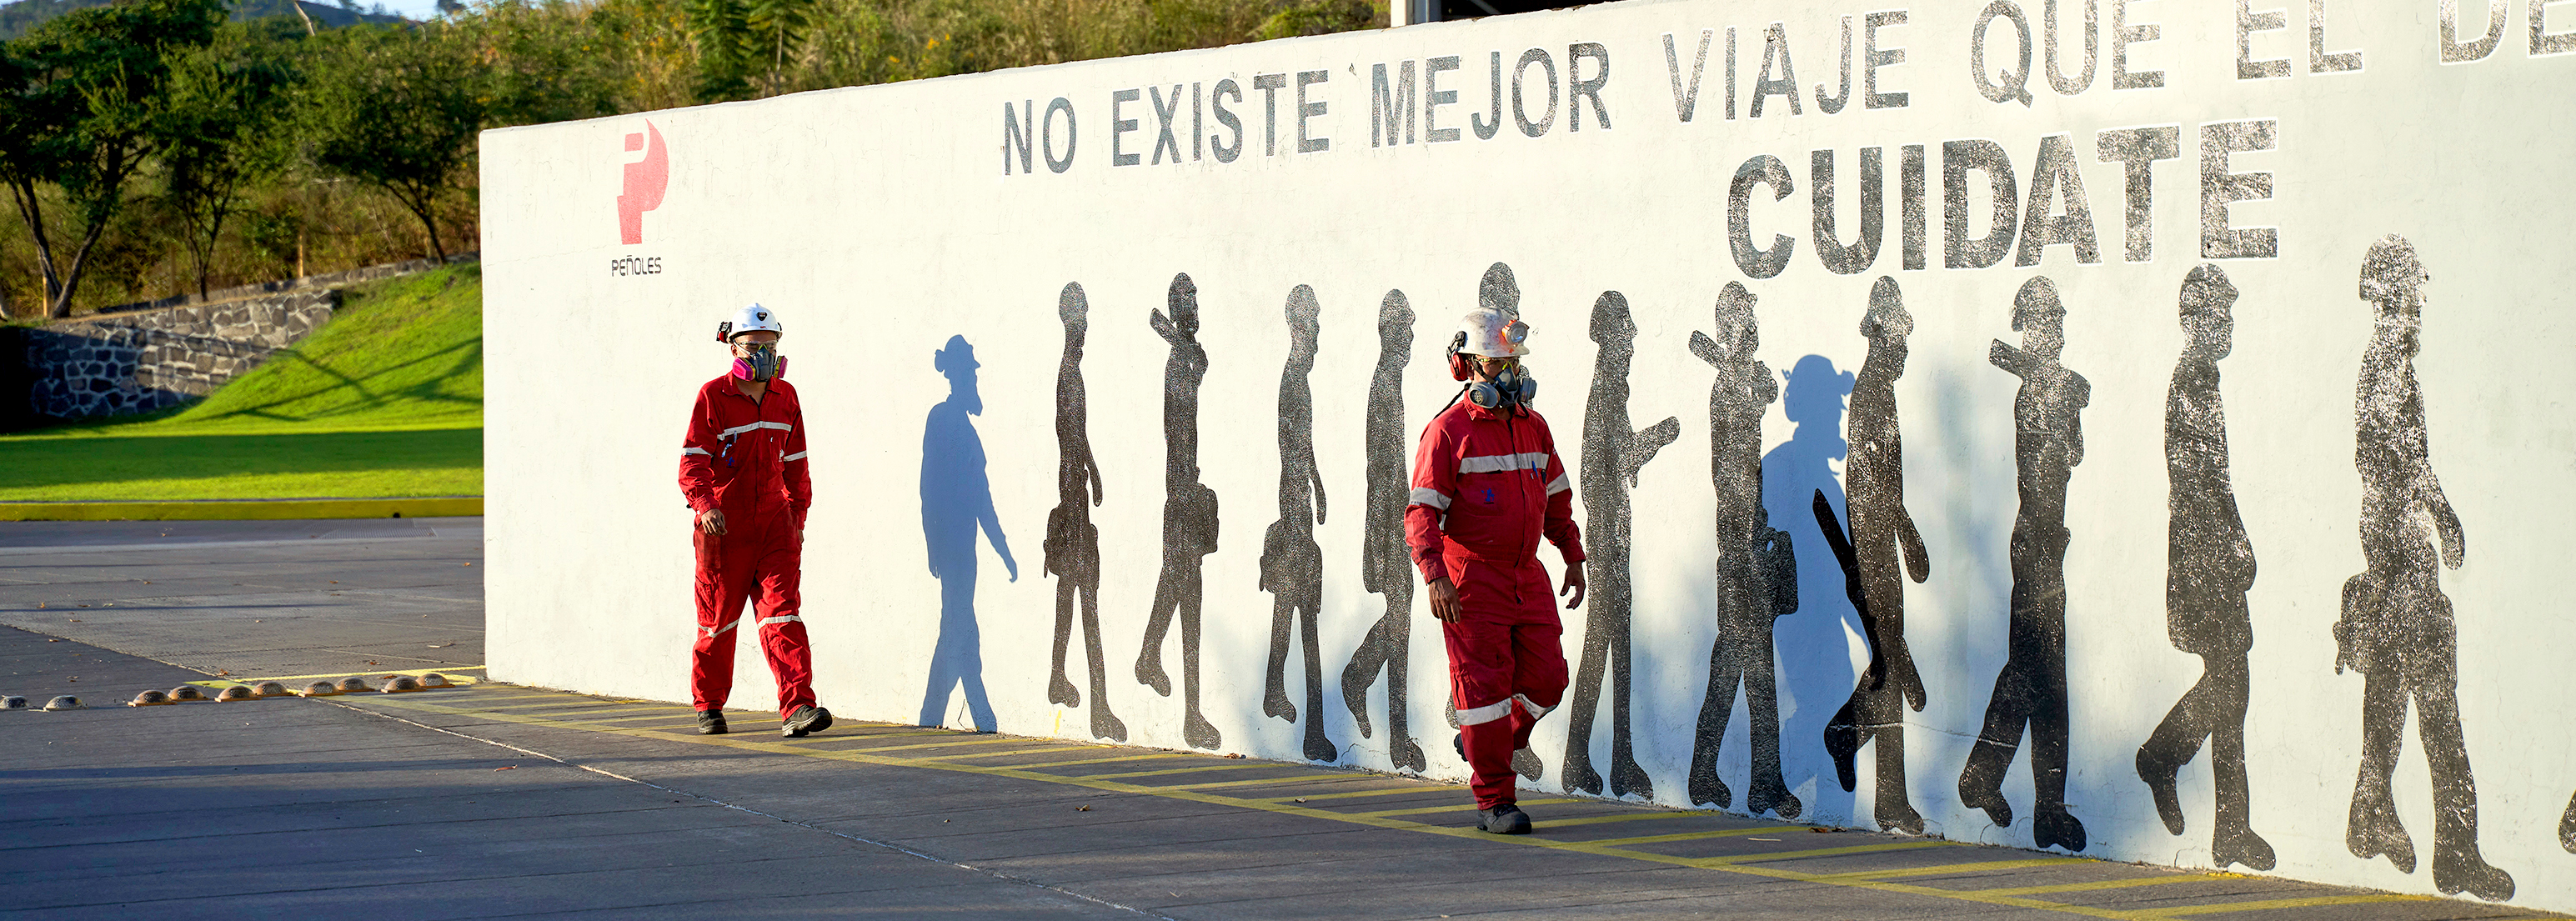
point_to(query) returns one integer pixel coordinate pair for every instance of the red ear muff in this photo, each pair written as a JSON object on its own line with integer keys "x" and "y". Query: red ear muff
{"x": 1458, "y": 362}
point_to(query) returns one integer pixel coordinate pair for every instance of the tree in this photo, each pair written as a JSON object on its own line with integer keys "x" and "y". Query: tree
{"x": 83, "y": 112}
{"x": 396, "y": 109}
{"x": 224, "y": 104}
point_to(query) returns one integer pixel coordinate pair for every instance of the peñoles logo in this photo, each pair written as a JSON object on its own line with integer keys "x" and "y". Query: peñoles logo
{"x": 642, "y": 189}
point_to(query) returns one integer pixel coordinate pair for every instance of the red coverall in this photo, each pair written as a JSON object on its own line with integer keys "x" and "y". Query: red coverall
{"x": 1486, "y": 486}
{"x": 747, "y": 458}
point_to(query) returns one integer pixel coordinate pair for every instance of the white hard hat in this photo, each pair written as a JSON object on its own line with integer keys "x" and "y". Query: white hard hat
{"x": 751, "y": 318}
{"x": 1494, "y": 333}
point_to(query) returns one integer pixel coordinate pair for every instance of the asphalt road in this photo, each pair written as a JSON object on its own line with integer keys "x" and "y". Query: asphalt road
{"x": 498, "y": 801}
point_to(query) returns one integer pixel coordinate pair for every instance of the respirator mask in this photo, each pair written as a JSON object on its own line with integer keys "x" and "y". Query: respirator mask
{"x": 762, "y": 363}
{"x": 1513, "y": 387}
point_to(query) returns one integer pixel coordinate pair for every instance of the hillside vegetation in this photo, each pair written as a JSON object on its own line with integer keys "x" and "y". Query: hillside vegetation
{"x": 385, "y": 400}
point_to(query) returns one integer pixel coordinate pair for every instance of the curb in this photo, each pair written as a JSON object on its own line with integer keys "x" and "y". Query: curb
{"x": 243, "y": 509}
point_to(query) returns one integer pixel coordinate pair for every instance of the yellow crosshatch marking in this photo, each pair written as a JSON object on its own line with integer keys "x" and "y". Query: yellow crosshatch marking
{"x": 1758, "y": 864}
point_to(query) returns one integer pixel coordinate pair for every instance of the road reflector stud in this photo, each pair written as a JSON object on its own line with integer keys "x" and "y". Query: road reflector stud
{"x": 149, "y": 699}
{"x": 236, "y": 692}
{"x": 13, "y": 703}
{"x": 354, "y": 685}
{"x": 321, "y": 689}
{"x": 435, "y": 680}
{"x": 187, "y": 692}
{"x": 272, "y": 689}
{"x": 65, "y": 702}
{"x": 402, "y": 684}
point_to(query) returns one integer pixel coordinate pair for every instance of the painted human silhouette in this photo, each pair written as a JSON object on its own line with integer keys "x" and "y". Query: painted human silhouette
{"x": 1292, "y": 565}
{"x": 1612, "y": 456}
{"x": 2048, "y": 441}
{"x": 1189, "y": 512}
{"x": 1757, "y": 570}
{"x": 1882, "y": 543}
{"x": 2209, "y": 566}
{"x": 1386, "y": 566}
{"x": 956, "y": 502}
{"x": 2397, "y": 629}
{"x": 1072, "y": 542}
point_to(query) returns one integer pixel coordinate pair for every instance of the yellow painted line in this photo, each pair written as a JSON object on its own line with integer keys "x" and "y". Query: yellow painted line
{"x": 1622, "y": 817}
{"x": 1051, "y": 749}
{"x": 1744, "y": 865}
{"x": 2103, "y": 884}
{"x": 1390, "y": 791}
{"x": 2319, "y": 901}
{"x": 1960, "y": 868}
{"x": 414, "y": 672}
{"x": 1283, "y": 781}
{"x": 243, "y": 509}
{"x": 1831, "y": 852}
{"x": 1193, "y": 769}
{"x": 838, "y": 735}
{"x": 956, "y": 743}
{"x": 1696, "y": 835}
{"x": 1465, "y": 807}
{"x": 1121, "y": 759}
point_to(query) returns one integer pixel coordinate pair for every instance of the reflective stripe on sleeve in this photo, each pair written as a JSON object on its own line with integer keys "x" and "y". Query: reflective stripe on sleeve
{"x": 1470, "y": 716}
{"x": 1564, "y": 481}
{"x": 739, "y": 429}
{"x": 701, "y": 452}
{"x": 1501, "y": 463}
{"x": 1424, "y": 495}
{"x": 798, "y": 456}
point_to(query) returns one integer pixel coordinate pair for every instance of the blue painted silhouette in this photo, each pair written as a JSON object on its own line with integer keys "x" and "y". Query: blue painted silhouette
{"x": 956, "y": 500}
{"x": 1815, "y": 663}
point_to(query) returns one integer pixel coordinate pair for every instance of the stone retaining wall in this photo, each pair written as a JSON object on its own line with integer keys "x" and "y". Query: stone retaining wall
{"x": 154, "y": 355}
{"x": 142, "y": 362}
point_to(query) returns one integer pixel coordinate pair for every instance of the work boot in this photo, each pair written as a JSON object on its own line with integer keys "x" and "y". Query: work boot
{"x": 711, "y": 723}
{"x": 806, "y": 719}
{"x": 1506, "y": 819}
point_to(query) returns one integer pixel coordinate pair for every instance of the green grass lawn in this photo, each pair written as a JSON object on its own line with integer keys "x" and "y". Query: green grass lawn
{"x": 385, "y": 400}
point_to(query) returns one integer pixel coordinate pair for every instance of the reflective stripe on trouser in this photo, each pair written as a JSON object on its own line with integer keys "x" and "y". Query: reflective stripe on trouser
{"x": 756, "y": 562}
{"x": 1506, "y": 667}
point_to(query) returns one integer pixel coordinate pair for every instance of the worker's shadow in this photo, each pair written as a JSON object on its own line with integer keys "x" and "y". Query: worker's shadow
{"x": 956, "y": 502}
{"x": 1813, "y": 646}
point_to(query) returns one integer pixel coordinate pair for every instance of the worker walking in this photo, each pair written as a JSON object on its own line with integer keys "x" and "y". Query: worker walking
{"x": 1487, "y": 484}
{"x": 742, "y": 467}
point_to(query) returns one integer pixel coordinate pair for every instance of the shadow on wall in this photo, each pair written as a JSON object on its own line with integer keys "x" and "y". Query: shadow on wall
{"x": 956, "y": 502}
{"x": 1814, "y": 647}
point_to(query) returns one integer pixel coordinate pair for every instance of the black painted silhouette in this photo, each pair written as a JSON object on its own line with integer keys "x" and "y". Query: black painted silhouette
{"x": 956, "y": 502}
{"x": 2567, "y": 827}
{"x": 1189, "y": 512}
{"x": 1386, "y": 566}
{"x": 1072, "y": 542}
{"x": 1292, "y": 566}
{"x": 2048, "y": 441}
{"x": 1882, "y": 539}
{"x": 2396, "y": 628}
{"x": 2209, "y": 568}
{"x": 1812, "y": 652}
{"x": 1612, "y": 456}
{"x": 1756, "y": 568}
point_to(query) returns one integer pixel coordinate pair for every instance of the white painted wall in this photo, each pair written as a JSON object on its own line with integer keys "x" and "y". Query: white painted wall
{"x": 879, "y": 221}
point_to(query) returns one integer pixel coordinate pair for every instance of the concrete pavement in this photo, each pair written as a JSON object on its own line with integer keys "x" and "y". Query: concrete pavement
{"x": 501, "y": 801}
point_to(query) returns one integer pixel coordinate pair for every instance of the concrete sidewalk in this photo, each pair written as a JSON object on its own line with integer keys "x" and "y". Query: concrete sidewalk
{"x": 501, "y": 801}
